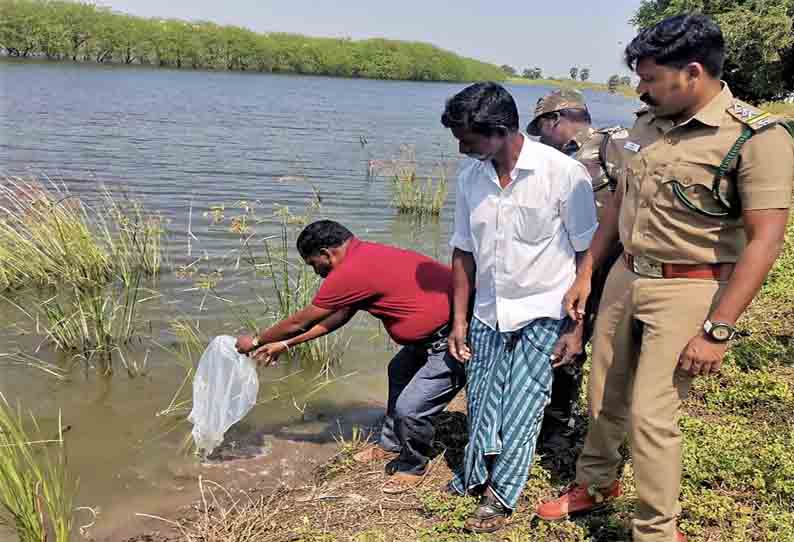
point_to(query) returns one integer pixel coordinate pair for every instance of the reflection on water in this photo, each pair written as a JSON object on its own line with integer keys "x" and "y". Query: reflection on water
{"x": 195, "y": 146}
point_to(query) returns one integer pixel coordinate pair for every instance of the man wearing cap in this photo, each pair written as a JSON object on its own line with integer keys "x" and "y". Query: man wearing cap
{"x": 701, "y": 206}
{"x": 562, "y": 121}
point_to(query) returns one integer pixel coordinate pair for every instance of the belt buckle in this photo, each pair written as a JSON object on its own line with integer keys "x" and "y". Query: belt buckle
{"x": 647, "y": 268}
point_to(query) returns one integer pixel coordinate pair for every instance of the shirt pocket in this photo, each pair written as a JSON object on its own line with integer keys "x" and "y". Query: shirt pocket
{"x": 532, "y": 225}
{"x": 688, "y": 184}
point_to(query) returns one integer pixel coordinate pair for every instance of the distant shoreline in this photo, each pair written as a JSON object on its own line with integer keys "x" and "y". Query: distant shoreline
{"x": 570, "y": 83}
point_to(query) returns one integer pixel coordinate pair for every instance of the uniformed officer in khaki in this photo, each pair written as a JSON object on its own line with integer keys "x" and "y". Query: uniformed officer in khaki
{"x": 562, "y": 120}
{"x": 704, "y": 186}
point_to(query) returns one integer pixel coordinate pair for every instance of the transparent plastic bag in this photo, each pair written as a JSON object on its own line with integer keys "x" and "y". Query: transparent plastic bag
{"x": 224, "y": 391}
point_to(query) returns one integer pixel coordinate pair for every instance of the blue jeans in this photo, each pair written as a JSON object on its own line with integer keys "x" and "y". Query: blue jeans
{"x": 423, "y": 379}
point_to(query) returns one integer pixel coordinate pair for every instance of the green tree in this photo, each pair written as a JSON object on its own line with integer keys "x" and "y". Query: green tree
{"x": 574, "y": 73}
{"x": 759, "y": 36}
{"x": 584, "y": 74}
{"x": 509, "y": 70}
{"x": 81, "y": 31}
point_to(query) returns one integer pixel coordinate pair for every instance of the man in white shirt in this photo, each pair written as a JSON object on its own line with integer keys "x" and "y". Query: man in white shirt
{"x": 524, "y": 212}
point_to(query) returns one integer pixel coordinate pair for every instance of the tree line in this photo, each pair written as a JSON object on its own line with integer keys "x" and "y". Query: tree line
{"x": 63, "y": 30}
{"x": 759, "y": 35}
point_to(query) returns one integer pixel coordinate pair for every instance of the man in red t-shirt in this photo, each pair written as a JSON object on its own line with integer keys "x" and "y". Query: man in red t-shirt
{"x": 411, "y": 294}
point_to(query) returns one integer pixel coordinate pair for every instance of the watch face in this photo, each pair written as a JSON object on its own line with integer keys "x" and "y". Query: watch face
{"x": 721, "y": 333}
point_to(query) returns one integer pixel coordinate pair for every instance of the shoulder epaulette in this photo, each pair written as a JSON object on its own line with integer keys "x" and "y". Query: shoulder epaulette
{"x": 616, "y": 132}
{"x": 750, "y": 116}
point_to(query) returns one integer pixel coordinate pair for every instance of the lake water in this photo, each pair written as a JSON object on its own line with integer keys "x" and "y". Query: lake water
{"x": 182, "y": 140}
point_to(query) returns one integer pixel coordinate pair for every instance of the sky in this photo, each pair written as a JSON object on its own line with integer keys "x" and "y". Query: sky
{"x": 552, "y": 35}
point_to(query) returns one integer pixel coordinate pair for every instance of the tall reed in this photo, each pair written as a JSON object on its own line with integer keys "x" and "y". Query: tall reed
{"x": 51, "y": 237}
{"x": 36, "y": 490}
{"x": 412, "y": 194}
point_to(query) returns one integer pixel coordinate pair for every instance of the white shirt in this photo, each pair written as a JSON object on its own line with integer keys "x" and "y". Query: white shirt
{"x": 524, "y": 237}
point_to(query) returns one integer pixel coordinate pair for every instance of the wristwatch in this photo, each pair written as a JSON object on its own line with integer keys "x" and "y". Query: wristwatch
{"x": 719, "y": 331}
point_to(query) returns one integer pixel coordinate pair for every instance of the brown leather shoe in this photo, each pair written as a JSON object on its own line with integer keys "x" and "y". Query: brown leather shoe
{"x": 577, "y": 500}
{"x": 373, "y": 453}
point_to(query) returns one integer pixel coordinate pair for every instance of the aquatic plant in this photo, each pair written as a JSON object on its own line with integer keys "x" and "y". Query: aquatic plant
{"x": 50, "y": 237}
{"x": 93, "y": 324}
{"x": 294, "y": 284}
{"x": 411, "y": 193}
{"x": 36, "y": 490}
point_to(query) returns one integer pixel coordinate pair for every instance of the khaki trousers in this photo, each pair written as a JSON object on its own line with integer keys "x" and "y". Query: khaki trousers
{"x": 643, "y": 325}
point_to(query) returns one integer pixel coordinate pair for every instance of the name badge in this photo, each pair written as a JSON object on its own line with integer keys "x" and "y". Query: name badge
{"x": 631, "y": 146}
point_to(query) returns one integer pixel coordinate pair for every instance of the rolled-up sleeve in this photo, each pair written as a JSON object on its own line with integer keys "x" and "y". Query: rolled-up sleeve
{"x": 578, "y": 210}
{"x": 461, "y": 236}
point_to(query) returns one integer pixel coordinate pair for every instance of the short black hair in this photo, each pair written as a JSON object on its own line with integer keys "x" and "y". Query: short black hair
{"x": 678, "y": 41}
{"x": 484, "y": 108}
{"x": 321, "y": 234}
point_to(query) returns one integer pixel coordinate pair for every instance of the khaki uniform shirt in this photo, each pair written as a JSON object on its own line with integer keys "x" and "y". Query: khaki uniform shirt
{"x": 585, "y": 147}
{"x": 655, "y": 223}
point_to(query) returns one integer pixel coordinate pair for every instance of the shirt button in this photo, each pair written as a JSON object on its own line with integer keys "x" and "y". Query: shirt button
{"x": 670, "y": 141}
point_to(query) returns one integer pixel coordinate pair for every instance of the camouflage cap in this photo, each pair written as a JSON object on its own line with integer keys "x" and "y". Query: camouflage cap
{"x": 558, "y": 100}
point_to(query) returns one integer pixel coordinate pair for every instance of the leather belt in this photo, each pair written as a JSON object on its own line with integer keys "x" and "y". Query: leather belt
{"x": 645, "y": 267}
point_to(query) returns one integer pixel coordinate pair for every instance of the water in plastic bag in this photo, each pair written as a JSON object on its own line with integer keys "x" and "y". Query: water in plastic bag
{"x": 224, "y": 391}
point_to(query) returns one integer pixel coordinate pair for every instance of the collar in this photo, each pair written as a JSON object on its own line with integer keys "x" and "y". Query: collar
{"x": 714, "y": 112}
{"x": 525, "y": 161}
{"x": 526, "y": 158}
{"x": 711, "y": 114}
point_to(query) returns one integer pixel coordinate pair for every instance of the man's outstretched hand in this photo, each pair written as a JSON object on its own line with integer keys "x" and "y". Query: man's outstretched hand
{"x": 244, "y": 344}
{"x": 267, "y": 355}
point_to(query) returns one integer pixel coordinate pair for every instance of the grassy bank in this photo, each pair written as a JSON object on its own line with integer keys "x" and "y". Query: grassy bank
{"x": 624, "y": 90}
{"x": 737, "y": 483}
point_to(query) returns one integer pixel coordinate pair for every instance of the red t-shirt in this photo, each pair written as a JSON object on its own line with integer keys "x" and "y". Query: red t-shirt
{"x": 410, "y": 293}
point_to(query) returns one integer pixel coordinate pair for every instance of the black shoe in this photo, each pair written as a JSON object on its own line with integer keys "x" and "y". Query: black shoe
{"x": 489, "y": 517}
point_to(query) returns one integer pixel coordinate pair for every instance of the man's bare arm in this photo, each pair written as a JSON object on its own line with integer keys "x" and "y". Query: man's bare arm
{"x": 463, "y": 276}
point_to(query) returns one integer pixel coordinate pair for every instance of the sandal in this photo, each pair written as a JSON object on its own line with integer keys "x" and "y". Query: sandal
{"x": 400, "y": 482}
{"x": 373, "y": 453}
{"x": 489, "y": 517}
